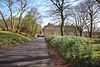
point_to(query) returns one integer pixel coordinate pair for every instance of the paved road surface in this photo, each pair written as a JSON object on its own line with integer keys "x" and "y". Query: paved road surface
{"x": 30, "y": 54}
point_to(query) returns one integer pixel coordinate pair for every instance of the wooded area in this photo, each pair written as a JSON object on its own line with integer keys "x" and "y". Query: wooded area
{"x": 23, "y": 16}
{"x": 12, "y": 17}
{"x": 85, "y": 15}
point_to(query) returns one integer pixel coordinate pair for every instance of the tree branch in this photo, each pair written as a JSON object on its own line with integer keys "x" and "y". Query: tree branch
{"x": 55, "y": 4}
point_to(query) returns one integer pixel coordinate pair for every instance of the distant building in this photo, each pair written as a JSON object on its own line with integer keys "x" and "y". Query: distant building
{"x": 96, "y": 31}
{"x": 56, "y": 29}
{"x": 70, "y": 30}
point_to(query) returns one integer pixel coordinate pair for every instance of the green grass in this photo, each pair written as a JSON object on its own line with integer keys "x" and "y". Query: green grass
{"x": 12, "y": 38}
{"x": 86, "y": 39}
{"x": 96, "y": 46}
{"x": 92, "y": 61}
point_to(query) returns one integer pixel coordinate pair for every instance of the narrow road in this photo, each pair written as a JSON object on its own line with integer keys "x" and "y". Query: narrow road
{"x": 30, "y": 54}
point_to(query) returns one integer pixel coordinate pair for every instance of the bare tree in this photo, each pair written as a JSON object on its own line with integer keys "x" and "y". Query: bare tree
{"x": 59, "y": 10}
{"x": 13, "y": 18}
{"x": 92, "y": 10}
{"x": 10, "y": 4}
{"x": 80, "y": 18}
{"x": 88, "y": 14}
{"x": 98, "y": 1}
{"x": 22, "y": 4}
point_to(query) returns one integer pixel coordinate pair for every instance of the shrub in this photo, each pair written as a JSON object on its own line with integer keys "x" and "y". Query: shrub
{"x": 70, "y": 47}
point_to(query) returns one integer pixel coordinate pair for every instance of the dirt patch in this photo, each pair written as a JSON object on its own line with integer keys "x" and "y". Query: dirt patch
{"x": 57, "y": 60}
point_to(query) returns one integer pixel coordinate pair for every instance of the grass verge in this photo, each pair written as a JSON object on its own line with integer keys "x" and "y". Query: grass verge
{"x": 62, "y": 44}
{"x": 96, "y": 46}
{"x": 8, "y": 40}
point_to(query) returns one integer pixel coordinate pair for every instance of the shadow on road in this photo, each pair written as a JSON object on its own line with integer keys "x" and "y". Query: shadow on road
{"x": 30, "y": 54}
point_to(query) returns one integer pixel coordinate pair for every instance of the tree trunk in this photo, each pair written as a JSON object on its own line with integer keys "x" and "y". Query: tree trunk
{"x": 4, "y": 21}
{"x": 11, "y": 22}
{"x": 13, "y": 27}
{"x": 19, "y": 25}
{"x": 14, "y": 20}
{"x": 91, "y": 25}
{"x": 62, "y": 24}
{"x": 18, "y": 31}
{"x": 88, "y": 31}
{"x": 76, "y": 31}
{"x": 11, "y": 19}
{"x": 35, "y": 31}
{"x": 81, "y": 32}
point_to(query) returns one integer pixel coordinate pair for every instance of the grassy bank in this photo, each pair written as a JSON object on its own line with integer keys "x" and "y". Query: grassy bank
{"x": 8, "y": 38}
{"x": 79, "y": 51}
{"x": 96, "y": 46}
